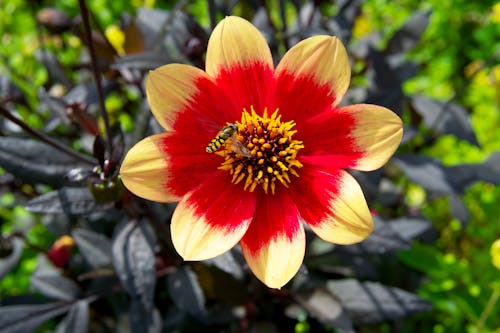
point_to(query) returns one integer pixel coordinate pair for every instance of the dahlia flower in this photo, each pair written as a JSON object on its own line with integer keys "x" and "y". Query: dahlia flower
{"x": 251, "y": 151}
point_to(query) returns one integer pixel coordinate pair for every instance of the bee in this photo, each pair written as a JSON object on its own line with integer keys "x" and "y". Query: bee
{"x": 227, "y": 135}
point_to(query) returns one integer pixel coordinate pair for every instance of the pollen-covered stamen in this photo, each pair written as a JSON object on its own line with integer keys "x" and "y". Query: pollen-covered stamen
{"x": 262, "y": 152}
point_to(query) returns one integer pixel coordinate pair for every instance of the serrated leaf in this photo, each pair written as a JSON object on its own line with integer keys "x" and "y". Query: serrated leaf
{"x": 27, "y": 318}
{"x": 55, "y": 286}
{"x": 94, "y": 247}
{"x": 186, "y": 292}
{"x": 323, "y": 306}
{"x": 144, "y": 320}
{"x": 445, "y": 118}
{"x": 134, "y": 261}
{"x": 371, "y": 302}
{"x": 77, "y": 319}
{"x": 409, "y": 34}
{"x": 35, "y": 162}
{"x": 68, "y": 200}
{"x": 9, "y": 262}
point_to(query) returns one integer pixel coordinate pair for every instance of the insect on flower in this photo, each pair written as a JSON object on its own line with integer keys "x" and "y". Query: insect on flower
{"x": 227, "y": 135}
{"x": 277, "y": 147}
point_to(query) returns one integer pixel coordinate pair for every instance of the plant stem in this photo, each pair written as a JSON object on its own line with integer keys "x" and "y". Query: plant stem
{"x": 97, "y": 77}
{"x": 44, "y": 138}
{"x": 487, "y": 309}
{"x": 211, "y": 13}
{"x": 284, "y": 30}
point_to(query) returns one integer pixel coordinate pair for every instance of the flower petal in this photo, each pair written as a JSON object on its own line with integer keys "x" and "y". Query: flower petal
{"x": 212, "y": 218}
{"x": 172, "y": 89}
{"x": 333, "y": 205}
{"x": 322, "y": 58}
{"x": 274, "y": 244}
{"x": 144, "y": 170}
{"x": 377, "y": 133}
{"x": 235, "y": 42}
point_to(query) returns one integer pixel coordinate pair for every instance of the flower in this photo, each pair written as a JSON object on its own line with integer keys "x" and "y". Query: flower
{"x": 60, "y": 252}
{"x": 495, "y": 253}
{"x": 250, "y": 150}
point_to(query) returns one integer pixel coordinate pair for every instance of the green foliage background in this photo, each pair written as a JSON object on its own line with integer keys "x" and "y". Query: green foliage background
{"x": 459, "y": 56}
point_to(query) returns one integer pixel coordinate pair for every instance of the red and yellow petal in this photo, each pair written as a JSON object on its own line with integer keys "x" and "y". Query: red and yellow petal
{"x": 235, "y": 42}
{"x": 274, "y": 244}
{"x": 376, "y": 134}
{"x": 171, "y": 90}
{"x": 322, "y": 58}
{"x": 211, "y": 219}
{"x": 144, "y": 170}
{"x": 333, "y": 205}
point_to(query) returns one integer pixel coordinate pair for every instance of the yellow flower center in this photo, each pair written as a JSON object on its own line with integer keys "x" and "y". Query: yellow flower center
{"x": 262, "y": 151}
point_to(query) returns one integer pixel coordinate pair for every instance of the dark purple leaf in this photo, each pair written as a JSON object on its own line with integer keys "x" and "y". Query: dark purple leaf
{"x": 55, "y": 286}
{"x": 326, "y": 308}
{"x": 341, "y": 25}
{"x": 27, "y": 318}
{"x": 10, "y": 261}
{"x": 384, "y": 84}
{"x": 77, "y": 319}
{"x": 459, "y": 210}
{"x": 55, "y": 104}
{"x": 409, "y": 34}
{"x": 143, "y": 319}
{"x": 445, "y": 118}
{"x": 371, "y": 302}
{"x": 134, "y": 261}
{"x": 186, "y": 292}
{"x": 10, "y": 91}
{"x": 409, "y": 228}
{"x": 94, "y": 247}
{"x": 68, "y": 200}
{"x": 35, "y": 162}
{"x": 428, "y": 173}
{"x": 383, "y": 239}
{"x": 86, "y": 93}
{"x": 227, "y": 263}
{"x": 489, "y": 171}
{"x": 141, "y": 61}
{"x": 54, "y": 67}
{"x": 409, "y": 132}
